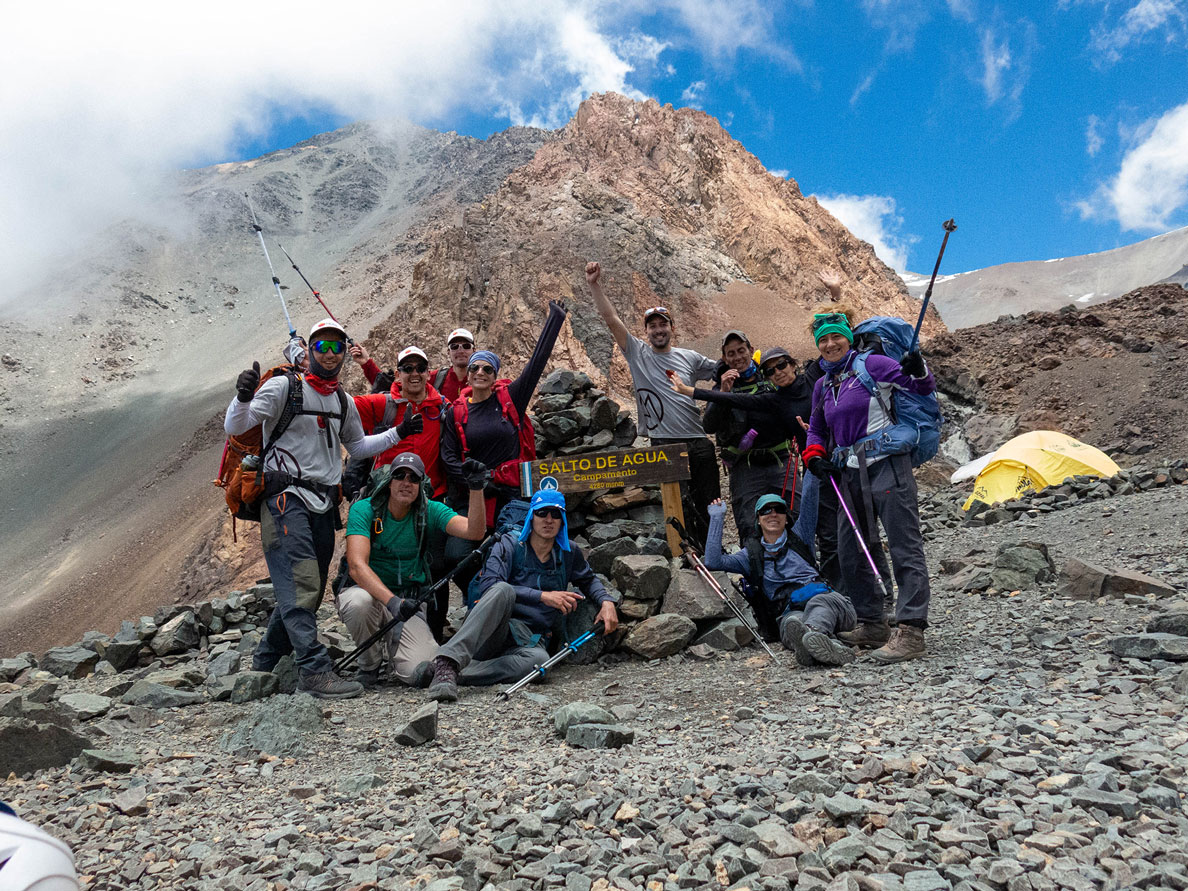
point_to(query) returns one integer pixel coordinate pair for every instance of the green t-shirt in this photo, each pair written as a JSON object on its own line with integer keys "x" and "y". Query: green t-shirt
{"x": 394, "y": 555}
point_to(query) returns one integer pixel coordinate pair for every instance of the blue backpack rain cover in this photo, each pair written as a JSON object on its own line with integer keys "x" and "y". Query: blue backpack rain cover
{"x": 917, "y": 419}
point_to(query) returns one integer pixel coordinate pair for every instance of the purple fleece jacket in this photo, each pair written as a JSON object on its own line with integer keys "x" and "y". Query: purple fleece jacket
{"x": 847, "y": 413}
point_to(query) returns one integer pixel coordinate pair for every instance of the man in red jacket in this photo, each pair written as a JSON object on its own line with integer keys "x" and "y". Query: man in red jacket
{"x": 451, "y": 380}
{"x": 411, "y": 402}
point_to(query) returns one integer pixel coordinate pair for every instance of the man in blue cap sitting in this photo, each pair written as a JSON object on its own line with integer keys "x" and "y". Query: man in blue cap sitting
{"x": 784, "y": 586}
{"x": 524, "y": 595}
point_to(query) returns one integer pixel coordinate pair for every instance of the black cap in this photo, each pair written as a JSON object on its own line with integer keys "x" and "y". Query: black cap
{"x": 735, "y": 334}
{"x": 410, "y": 460}
{"x": 774, "y": 353}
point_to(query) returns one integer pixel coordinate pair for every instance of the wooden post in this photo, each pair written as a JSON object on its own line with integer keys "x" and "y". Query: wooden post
{"x": 670, "y": 502}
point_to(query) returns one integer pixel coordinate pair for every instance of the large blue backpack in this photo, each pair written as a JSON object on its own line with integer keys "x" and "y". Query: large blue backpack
{"x": 916, "y": 419}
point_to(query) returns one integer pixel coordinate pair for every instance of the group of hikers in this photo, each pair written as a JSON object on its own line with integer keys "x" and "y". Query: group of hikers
{"x": 434, "y": 460}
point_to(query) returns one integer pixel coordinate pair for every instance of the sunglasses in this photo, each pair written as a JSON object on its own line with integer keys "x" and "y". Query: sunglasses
{"x": 772, "y": 509}
{"x": 328, "y": 346}
{"x": 548, "y": 513}
{"x": 480, "y": 368}
{"x": 411, "y": 368}
{"x": 829, "y": 318}
{"x": 770, "y": 370}
{"x": 405, "y": 475}
{"x": 656, "y": 311}
{"x": 461, "y": 345}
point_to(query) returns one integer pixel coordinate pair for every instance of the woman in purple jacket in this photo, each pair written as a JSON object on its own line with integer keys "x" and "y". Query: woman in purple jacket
{"x": 876, "y": 482}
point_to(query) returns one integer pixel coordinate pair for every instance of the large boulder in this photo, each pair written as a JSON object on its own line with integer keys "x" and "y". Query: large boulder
{"x": 642, "y": 577}
{"x": 27, "y": 746}
{"x": 729, "y": 635}
{"x": 69, "y": 662}
{"x": 281, "y": 726}
{"x": 1020, "y": 565}
{"x": 122, "y": 654}
{"x": 1151, "y": 645}
{"x": 1171, "y": 622}
{"x": 179, "y": 634}
{"x": 690, "y": 595}
{"x": 1082, "y": 580}
{"x": 661, "y": 636}
{"x": 149, "y": 695}
{"x": 84, "y": 706}
{"x": 602, "y": 557}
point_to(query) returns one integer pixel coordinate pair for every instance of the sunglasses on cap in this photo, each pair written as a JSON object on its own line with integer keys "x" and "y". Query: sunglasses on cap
{"x": 770, "y": 370}
{"x": 328, "y": 346}
{"x": 413, "y": 368}
{"x": 405, "y": 474}
{"x": 548, "y": 513}
{"x": 461, "y": 345}
{"x": 773, "y": 509}
{"x": 829, "y": 318}
{"x": 657, "y": 311}
{"x": 480, "y": 368}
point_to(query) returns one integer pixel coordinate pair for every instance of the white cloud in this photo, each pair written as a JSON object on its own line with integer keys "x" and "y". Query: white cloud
{"x": 874, "y": 219}
{"x": 1093, "y": 140}
{"x": 692, "y": 93}
{"x": 1005, "y": 61}
{"x": 1152, "y": 182}
{"x": 722, "y": 28}
{"x": 1143, "y": 19}
{"x": 782, "y": 174}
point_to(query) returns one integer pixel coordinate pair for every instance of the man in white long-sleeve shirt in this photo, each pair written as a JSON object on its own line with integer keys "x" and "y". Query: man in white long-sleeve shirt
{"x": 302, "y": 468}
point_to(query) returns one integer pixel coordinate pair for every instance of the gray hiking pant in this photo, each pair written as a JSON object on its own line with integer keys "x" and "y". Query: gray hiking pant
{"x": 893, "y": 496}
{"x": 484, "y": 648}
{"x": 407, "y": 644}
{"x": 747, "y": 483}
{"x": 829, "y": 612}
{"x": 298, "y": 545}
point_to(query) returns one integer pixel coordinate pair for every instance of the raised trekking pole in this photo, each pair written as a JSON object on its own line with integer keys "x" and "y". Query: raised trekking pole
{"x": 426, "y": 596}
{"x": 542, "y": 669}
{"x": 275, "y": 281}
{"x": 703, "y": 571}
{"x": 950, "y": 227}
{"x": 861, "y": 540}
{"x": 308, "y": 284}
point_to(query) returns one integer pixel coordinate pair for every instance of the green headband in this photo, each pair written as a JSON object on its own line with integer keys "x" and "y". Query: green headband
{"x": 831, "y": 323}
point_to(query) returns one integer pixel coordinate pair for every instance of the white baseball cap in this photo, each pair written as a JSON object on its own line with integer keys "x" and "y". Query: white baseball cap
{"x": 411, "y": 351}
{"x": 326, "y": 325}
{"x": 460, "y": 333}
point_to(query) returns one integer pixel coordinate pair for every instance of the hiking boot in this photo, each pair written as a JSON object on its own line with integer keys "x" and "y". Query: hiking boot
{"x": 422, "y": 675}
{"x": 867, "y": 635}
{"x": 444, "y": 687}
{"x": 907, "y": 642}
{"x": 825, "y": 649}
{"x": 792, "y": 636}
{"x": 368, "y": 677}
{"x": 328, "y": 685}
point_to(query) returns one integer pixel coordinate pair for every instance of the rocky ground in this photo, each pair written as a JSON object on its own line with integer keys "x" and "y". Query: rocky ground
{"x": 1023, "y": 753}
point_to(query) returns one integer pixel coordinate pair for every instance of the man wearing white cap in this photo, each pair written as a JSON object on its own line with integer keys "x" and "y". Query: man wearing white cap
{"x": 449, "y": 381}
{"x": 302, "y": 467}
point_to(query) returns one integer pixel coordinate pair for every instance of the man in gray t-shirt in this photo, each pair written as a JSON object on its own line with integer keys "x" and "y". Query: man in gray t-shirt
{"x": 665, "y": 415}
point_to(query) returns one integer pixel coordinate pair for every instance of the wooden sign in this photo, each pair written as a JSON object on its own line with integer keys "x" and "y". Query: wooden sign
{"x": 665, "y": 465}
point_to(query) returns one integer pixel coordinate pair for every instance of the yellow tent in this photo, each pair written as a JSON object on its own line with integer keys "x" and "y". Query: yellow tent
{"x": 1034, "y": 460}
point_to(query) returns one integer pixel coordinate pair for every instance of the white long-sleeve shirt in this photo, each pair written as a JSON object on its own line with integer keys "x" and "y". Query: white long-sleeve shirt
{"x": 310, "y": 449}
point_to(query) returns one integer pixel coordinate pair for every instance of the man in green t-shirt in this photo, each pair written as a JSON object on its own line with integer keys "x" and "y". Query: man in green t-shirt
{"x": 387, "y": 542}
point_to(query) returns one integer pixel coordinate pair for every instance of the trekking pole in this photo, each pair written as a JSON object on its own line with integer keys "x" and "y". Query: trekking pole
{"x": 428, "y": 594}
{"x": 275, "y": 281}
{"x": 950, "y": 227}
{"x": 542, "y": 669}
{"x": 861, "y": 540}
{"x": 793, "y": 461}
{"x": 703, "y": 571}
{"x": 308, "y": 284}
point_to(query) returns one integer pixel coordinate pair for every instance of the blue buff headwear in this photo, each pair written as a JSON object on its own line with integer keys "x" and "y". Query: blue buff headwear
{"x": 485, "y": 356}
{"x": 547, "y": 498}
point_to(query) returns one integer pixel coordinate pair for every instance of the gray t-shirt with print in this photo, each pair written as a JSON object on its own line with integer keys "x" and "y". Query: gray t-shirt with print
{"x": 664, "y": 413}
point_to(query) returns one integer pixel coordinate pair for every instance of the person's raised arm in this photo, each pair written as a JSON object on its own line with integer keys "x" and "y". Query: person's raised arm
{"x": 605, "y": 308}
{"x": 714, "y": 558}
{"x": 831, "y": 279}
{"x": 806, "y": 522}
{"x": 522, "y": 388}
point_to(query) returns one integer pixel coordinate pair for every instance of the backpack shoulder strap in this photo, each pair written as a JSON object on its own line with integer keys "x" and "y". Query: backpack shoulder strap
{"x": 858, "y": 367}
{"x": 390, "y": 408}
{"x": 293, "y": 407}
{"x": 506, "y": 403}
{"x": 755, "y": 558}
{"x": 439, "y": 378}
{"x": 342, "y": 409}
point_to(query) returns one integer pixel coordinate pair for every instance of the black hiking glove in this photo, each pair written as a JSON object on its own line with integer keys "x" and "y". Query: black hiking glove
{"x": 246, "y": 383}
{"x": 823, "y": 470}
{"x": 476, "y": 474}
{"x": 402, "y": 608}
{"x": 411, "y": 425}
{"x": 383, "y": 381}
{"x": 560, "y": 304}
{"x": 912, "y": 364}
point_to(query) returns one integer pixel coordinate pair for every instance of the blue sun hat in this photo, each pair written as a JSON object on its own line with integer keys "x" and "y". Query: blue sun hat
{"x": 547, "y": 498}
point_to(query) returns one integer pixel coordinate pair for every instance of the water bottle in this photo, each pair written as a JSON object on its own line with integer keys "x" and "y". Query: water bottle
{"x": 250, "y": 462}
{"x": 748, "y": 440}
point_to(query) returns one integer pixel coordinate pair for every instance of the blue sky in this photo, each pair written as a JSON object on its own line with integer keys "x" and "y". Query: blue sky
{"x": 1046, "y": 129}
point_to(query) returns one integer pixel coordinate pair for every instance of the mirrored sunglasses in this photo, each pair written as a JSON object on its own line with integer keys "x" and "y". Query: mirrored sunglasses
{"x": 770, "y": 370}
{"x": 328, "y": 346}
{"x": 461, "y": 345}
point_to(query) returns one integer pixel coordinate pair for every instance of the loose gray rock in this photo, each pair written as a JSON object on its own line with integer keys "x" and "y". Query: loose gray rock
{"x": 1082, "y": 580}
{"x": 252, "y": 685}
{"x": 27, "y": 746}
{"x": 1151, "y": 645}
{"x": 10, "y": 669}
{"x": 660, "y": 636}
{"x": 1116, "y": 804}
{"x": 421, "y": 727}
{"x": 109, "y": 760}
{"x": 1021, "y": 565}
{"x": 599, "y": 736}
{"x": 642, "y": 577}
{"x": 84, "y": 706}
{"x": 179, "y": 634}
{"x": 223, "y": 665}
{"x": 150, "y": 695}
{"x": 357, "y": 784}
{"x": 69, "y": 662}
{"x": 1174, "y": 622}
{"x": 132, "y": 802}
{"x": 728, "y": 636}
{"x": 580, "y": 713}
{"x": 123, "y": 654}
{"x": 281, "y": 725}
{"x": 690, "y": 595}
